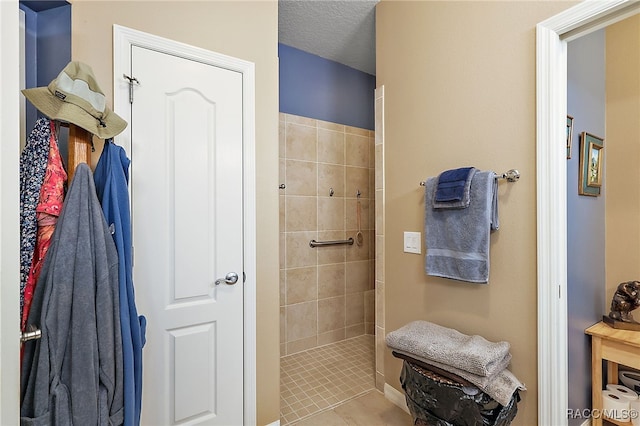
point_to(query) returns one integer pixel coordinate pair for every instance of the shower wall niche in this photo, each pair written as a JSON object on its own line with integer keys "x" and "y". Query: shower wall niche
{"x": 326, "y": 293}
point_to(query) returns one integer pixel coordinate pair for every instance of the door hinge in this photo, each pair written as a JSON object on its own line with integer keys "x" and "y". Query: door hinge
{"x": 559, "y": 291}
{"x": 131, "y": 81}
{"x": 244, "y": 277}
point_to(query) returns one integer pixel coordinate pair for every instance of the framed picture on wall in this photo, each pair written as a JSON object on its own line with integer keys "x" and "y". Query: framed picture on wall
{"x": 591, "y": 161}
{"x": 569, "y": 135}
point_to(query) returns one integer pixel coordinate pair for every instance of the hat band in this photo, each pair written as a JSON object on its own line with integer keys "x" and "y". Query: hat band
{"x": 97, "y": 115}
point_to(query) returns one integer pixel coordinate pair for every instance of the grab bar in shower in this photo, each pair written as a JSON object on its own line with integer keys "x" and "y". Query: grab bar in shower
{"x": 314, "y": 243}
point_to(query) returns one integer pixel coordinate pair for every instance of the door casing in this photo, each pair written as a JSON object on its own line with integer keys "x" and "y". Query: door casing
{"x": 9, "y": 213}
{"x": 551, "y": 183}
{"x": 123, "y": 39}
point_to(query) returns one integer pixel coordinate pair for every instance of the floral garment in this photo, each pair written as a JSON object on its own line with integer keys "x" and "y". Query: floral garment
{"x": 47, "y": 212}
{"x": 33, "y": 165}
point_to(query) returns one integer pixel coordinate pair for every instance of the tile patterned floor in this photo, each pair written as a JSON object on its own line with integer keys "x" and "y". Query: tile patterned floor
{"x": 370, "y": 409}
{"x": 321, "y": 378}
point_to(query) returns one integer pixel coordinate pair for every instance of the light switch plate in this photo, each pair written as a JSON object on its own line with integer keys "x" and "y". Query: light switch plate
{"x": 412, "y": 242}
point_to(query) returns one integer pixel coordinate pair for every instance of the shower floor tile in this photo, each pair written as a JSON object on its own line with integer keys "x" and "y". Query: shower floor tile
{"x": 321, "y": 378}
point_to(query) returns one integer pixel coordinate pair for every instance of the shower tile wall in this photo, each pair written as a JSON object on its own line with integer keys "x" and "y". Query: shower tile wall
{"x": 326, "y": 293}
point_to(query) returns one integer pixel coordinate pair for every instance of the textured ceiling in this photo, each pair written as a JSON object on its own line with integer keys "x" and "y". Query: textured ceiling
{"x": 339, "y": 30}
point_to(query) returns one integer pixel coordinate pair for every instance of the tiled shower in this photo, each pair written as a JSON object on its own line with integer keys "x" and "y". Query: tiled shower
{"x": 326, "y": 293}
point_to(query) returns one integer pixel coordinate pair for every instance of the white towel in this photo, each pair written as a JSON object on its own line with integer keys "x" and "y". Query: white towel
{"x": 457, "y": 240}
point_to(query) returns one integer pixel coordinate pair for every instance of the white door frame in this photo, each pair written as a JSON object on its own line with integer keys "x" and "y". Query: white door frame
{"x": 9, "y": 213}
{"x": 123, "y": 39}
{"x": 551, "y": 87}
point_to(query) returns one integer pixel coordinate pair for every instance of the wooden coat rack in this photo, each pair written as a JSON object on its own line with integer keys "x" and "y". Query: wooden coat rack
{"x": 80, "y": 143}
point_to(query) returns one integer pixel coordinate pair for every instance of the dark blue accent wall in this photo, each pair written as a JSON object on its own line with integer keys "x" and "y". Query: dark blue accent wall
{"x": 54, "y": 42}
{"x": 314, "y": 87}
{"x": 585, "y": 250}
{"x": 47, "y": 50}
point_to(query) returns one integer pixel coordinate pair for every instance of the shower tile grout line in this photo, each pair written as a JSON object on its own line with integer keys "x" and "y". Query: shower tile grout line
{"x": 321, "y": 378}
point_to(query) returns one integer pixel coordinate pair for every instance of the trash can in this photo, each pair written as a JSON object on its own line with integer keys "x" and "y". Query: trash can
{"x": 435, "y": 400}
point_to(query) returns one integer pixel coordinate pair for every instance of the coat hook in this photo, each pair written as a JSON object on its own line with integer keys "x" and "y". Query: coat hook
{"x": 282, "y": 186}
{"x": 358, "y": 193}
{"x": 330, "y": 192}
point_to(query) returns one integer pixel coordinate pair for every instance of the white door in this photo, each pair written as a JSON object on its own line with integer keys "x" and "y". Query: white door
{"x": 186, "y": 183}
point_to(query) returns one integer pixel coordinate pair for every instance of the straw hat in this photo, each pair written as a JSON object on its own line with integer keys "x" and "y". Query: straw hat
{"x": 75, "y": 97}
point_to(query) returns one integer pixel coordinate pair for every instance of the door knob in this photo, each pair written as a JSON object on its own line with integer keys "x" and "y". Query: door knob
{"x": 231, "y": 278}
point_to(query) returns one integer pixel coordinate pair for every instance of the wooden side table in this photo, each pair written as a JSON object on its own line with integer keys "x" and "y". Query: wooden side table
{"x": 616, "y": 347}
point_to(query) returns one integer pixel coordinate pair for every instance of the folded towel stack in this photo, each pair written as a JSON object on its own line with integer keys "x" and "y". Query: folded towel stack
{"x": 453, "y": 190}
{"x": 472, "y": 358}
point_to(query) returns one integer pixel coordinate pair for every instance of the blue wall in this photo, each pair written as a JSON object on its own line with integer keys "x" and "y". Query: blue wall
{"x": 47, "y": 47}
{"x": 585, "y": 250}
{"x": 47, "y": 51}
{"x": 314, "y": 87}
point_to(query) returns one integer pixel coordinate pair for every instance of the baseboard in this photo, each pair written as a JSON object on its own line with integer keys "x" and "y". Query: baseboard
{"x": 395, "y": 396}
{"x": 276, "y": 423}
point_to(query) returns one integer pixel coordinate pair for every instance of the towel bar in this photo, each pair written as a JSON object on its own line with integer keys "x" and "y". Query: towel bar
{"x": 510, "y": 175}
{"x": 314, "y": 243}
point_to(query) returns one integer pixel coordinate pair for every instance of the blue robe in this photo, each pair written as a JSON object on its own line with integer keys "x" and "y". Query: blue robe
{"x": 111, "y": 178}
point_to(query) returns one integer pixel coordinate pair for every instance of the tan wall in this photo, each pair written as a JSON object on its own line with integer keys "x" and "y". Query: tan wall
{"x": 459, "y": 82}
{"x": 246, "y": 30}
{"x": 622, "y": 154}
{"x": 326, "y": 293}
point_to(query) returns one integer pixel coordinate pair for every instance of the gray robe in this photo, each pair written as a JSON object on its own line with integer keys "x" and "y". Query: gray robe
{"x": 73, "y": 374}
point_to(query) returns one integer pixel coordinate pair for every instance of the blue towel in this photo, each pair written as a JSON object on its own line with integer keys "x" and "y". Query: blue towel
{"x": 453, "y": 188}
{"x": 457, "y": 240}
{"x": 451, "y": 184}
